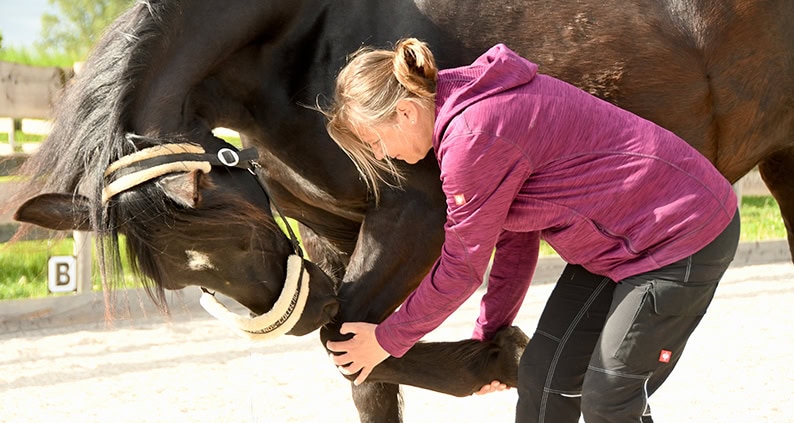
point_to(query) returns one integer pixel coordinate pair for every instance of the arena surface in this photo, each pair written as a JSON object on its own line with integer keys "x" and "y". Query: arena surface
{"x": 738, "y": 367}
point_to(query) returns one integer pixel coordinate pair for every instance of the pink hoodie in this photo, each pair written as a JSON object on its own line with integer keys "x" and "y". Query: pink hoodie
{"x": 524, "y": 156}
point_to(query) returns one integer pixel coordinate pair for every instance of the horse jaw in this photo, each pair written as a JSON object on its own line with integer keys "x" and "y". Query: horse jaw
{"x": 286, "y": 312}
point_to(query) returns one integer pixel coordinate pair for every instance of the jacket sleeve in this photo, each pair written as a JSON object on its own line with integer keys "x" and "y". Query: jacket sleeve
{"x": 511, "y": 273}
{"x": 481, "y": 176}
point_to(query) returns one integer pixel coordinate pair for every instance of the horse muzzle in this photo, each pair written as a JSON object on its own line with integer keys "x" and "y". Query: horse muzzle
{"x": 284, "y": 315}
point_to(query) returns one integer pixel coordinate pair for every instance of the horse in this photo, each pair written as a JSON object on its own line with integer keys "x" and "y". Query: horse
{"x": 716, "y": 72}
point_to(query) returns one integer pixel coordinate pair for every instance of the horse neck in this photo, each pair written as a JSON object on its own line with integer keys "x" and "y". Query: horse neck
{"x": 192, "y": 51}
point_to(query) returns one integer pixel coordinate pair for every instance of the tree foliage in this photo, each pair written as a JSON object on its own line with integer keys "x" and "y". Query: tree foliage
{"x": 77, "y": 24}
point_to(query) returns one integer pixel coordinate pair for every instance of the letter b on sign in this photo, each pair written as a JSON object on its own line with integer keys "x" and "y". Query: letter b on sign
{"x": 62, "y": 274}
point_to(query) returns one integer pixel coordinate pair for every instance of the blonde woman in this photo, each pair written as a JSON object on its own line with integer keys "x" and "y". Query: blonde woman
{"x": 647, "y": 225}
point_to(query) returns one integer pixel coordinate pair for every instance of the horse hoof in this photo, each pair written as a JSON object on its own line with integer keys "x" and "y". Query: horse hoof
{"x": 511, "y": 341}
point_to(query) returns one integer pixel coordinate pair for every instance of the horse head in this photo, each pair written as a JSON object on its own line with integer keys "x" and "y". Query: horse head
{"x": 138, "y": 168}
{"x": 196, "y": 214}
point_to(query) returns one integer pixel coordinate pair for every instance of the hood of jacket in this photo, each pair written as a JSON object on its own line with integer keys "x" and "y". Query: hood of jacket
{"x": 497, "y": 70}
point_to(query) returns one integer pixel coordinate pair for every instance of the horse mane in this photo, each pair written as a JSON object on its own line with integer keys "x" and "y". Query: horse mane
{"x": 90, "y": 119}
{"x": 91, "y": 129}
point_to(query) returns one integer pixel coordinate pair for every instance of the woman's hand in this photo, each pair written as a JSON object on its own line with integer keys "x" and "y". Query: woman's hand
{"x": 361, "y": 353}
{"x": 494, "y": 386}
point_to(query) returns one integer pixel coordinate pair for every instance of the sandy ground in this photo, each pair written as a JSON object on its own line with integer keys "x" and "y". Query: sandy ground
{"x": 738, "y": 367}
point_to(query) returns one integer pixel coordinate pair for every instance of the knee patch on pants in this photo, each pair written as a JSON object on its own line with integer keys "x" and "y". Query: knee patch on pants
{"x": 558, "y": 373}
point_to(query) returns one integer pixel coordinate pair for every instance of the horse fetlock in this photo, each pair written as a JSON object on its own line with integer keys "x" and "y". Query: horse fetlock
{"x": 511, "y": 342}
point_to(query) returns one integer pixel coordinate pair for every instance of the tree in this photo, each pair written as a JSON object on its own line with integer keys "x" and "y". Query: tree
{"x": 78, "y": 24}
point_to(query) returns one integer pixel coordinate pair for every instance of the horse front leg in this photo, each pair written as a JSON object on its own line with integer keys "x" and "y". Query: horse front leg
{"x": 385, "y": 266}
{"x": 378, "y": 402}
{"x": 457, "y": 368}
{"x": 776, "y": 173}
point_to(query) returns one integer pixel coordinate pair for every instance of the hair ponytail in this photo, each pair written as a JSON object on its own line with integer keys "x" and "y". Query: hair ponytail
{"x": 415, "y": 67}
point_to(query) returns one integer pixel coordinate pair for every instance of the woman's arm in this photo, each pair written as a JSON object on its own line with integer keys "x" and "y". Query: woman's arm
{"x": 481, "y": 177}
{"x": 511, "y": 273}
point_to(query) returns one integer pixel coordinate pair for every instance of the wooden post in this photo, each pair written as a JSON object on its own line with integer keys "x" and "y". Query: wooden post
{"x": 12, "y": 136}
{"x": 82, "y": 250}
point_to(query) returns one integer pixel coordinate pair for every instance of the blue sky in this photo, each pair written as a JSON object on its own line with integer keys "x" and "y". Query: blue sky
{"x": 20, "y": 21}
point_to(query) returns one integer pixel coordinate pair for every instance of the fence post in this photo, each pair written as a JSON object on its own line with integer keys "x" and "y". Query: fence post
{"x": 82, "y": 251}
{"x": 12, "y": 139}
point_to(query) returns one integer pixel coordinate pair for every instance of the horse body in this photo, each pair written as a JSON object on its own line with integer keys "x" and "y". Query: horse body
{"x": 718, "y": 73}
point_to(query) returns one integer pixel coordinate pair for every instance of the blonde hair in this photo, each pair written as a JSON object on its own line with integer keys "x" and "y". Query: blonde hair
{"x": 367, "y": 91}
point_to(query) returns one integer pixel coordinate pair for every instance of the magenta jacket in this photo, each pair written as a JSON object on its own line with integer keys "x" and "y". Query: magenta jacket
{"x": 525, "y": 157}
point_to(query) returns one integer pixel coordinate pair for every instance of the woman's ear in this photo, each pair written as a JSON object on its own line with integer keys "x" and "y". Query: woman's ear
{"x": 407, "y": 112}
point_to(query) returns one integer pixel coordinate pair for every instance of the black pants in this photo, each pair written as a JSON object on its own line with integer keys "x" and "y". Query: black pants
{"x": 601, "y": 348}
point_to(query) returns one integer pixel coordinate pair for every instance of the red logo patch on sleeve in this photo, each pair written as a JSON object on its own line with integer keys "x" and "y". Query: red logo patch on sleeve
{"x": 665, "y": 356}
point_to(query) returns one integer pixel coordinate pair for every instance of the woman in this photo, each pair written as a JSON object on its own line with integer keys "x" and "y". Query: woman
{"x": 647, "y": 225}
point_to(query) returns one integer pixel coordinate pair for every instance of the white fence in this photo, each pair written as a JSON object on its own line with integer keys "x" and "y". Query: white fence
{"x": 27, "y": 96}
{"x": 28, "y": 93}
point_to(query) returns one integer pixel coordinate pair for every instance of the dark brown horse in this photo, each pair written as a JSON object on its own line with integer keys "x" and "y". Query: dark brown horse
{"x": 719, "y": 73}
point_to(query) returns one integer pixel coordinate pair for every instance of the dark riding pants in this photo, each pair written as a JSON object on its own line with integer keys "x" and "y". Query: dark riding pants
{"x": 601, "y": 348}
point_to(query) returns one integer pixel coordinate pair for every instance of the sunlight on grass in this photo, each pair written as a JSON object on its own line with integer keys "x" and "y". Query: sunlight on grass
{"x": 761, "y": 219}
{"x": 35, "y": 57}
{"x": 21, "y": 137}
{"x": 23, "y": 268}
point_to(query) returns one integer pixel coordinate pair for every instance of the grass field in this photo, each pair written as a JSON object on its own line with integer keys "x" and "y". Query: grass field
{"x": 21, "y": 137}
{"x": 34, "y": 57}
{"x": 23, "y": 265}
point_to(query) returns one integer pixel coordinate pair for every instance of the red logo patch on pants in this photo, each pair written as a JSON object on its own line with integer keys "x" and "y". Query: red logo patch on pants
{"x": 665, "y": 356}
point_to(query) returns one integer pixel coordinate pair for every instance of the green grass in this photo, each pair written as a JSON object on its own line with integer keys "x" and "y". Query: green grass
{"x": 21, "y": 137}
{"x": 23, "y": 265}
{"x": 761, "y": 219}
{"x": 35, "y": 57}
{"x": 23, "y": 268}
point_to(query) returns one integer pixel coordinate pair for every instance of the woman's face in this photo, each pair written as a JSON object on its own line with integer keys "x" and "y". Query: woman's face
{"x": 408, "y": 137}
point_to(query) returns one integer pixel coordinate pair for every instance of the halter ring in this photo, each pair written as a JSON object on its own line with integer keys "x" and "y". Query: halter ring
{"x": 228, "y": 157}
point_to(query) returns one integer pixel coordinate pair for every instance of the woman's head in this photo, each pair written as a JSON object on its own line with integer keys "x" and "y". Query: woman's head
{"x": 384, "y": 108}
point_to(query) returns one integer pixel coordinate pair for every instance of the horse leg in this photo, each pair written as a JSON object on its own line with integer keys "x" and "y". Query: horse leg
{"x": 378, "y": 402}
{"x": 457, "y": 368}
{"x": 776, "y": 173}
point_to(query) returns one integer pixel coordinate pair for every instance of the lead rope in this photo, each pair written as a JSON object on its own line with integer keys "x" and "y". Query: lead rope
{"x": 252, "y": 168}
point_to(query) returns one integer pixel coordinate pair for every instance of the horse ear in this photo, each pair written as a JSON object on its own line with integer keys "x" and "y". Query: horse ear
{"x": 182, "y": 187}
{"x": 58, "y": 211}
